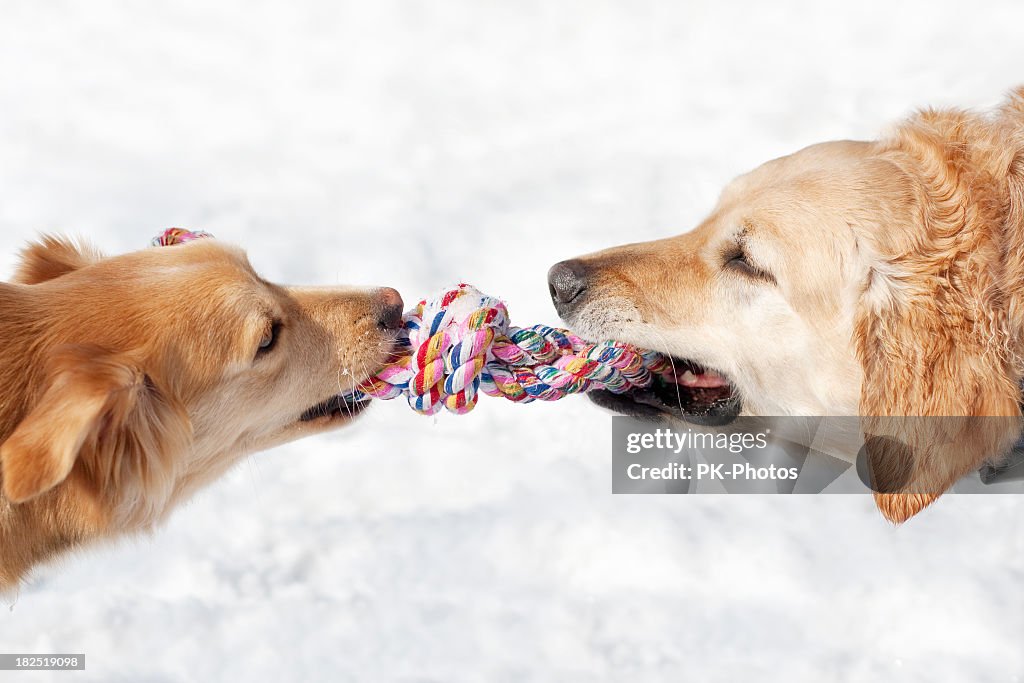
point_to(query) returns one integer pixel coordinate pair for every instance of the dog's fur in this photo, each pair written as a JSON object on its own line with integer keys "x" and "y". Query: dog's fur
{"x": 880, "y": 278}
{"x": 127, "y": 383}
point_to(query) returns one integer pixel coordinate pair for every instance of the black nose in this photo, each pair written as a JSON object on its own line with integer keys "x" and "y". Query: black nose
{"x": 567, "y": 281}
{"x": 389, "y": 309}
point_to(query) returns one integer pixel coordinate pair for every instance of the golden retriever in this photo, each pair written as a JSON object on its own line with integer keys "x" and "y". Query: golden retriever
{"x": 127, "y": 383}
{"x": 878, "y": 279}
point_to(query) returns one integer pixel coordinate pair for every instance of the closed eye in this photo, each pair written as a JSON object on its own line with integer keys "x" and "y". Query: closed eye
{"x": 738, "y": 261}
{"x": 270, "y": 338}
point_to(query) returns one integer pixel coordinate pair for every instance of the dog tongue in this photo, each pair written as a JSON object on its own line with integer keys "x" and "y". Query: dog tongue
{"x": 705, "y": 380}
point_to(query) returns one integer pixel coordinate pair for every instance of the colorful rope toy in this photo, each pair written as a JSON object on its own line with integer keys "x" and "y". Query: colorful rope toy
{"x": 172, "y": 236}
{"x": 460, "y": 343}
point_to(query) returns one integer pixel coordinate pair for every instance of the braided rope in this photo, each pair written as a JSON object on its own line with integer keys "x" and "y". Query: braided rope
{"x": 172, "y": 236}
{"x": 460, "y": 343}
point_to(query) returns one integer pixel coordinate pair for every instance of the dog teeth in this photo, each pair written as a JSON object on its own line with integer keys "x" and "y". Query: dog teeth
{"x": 688, "y": 378}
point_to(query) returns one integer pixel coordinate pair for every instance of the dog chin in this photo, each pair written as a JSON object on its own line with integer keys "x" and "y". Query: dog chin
{"x": 337, "y": 409}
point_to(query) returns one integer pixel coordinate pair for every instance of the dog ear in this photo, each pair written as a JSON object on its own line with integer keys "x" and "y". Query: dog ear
{"x": 935, "y": 404}
{"x": 95, "y": 406}
{"x": 939, "y": 395}
{"x": 52, "y": 257}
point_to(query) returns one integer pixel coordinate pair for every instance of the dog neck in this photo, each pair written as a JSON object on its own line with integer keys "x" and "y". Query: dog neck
{"x": 974, "y": 207}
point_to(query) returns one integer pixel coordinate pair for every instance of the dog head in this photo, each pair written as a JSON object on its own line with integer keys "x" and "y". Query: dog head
{"x": 147, "y": 375}
{"x": 850, "y": 278}
{"x": 756, "y": 303}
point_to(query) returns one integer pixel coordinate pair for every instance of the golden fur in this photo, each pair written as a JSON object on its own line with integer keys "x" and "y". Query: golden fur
{"x": 127, "y": 383}
{"x": 879, "y": 278}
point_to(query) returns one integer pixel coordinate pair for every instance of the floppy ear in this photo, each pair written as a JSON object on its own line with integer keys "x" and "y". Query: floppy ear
{"x": 52, "y": 257}
{"x": 934, "y": 328}
{"x": 938, "y": 396}
{"x": 95, "y": 406}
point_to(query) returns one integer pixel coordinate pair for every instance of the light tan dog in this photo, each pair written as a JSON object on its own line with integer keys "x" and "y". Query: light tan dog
{"x": 879, "y": 278}
{"x": 127, "y": 383}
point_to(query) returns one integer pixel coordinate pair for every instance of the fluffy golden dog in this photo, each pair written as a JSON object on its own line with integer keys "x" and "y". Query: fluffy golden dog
{"x": 127, "y": 383}
{"x": 878, "y": 279}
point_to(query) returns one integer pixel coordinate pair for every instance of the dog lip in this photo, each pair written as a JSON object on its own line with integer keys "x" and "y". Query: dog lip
{"x": 336, "y": 406}
{"x": 691, "y": 392}
{"x": 665, "y": 401}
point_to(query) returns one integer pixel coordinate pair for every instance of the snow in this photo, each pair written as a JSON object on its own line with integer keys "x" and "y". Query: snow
{"x": 414, "y": 144}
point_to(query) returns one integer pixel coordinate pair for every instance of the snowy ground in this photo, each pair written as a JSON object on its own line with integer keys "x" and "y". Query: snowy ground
{"x": 412, "y": 144}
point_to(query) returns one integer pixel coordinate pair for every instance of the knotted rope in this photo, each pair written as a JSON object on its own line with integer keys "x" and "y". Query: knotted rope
{"x": 460, "y": 343}
{"x": 172, "y": 236}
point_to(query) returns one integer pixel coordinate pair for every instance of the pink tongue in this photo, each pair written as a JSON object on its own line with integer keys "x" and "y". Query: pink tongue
{"x": 705, "y": 380}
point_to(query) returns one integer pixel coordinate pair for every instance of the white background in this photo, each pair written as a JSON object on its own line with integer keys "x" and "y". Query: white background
{"x": 414, "y": 144}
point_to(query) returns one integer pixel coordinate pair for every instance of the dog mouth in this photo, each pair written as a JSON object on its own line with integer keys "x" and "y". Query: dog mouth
{"x": 347, "y": 405}
{"x": 688, "y": 391}
{"x": 340, "y": 406}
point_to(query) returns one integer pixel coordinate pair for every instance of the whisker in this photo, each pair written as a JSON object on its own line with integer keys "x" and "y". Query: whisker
{"x": 342, "y": 372}
{"x": 672, "y": 362}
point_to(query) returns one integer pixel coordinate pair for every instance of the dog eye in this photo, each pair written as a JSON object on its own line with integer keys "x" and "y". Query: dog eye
{"x": 269, "y": 339}
{"x": 738, "y": 261}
